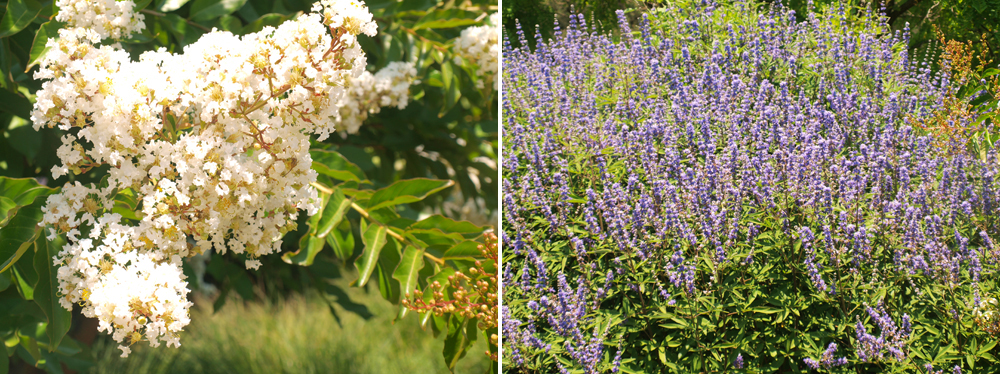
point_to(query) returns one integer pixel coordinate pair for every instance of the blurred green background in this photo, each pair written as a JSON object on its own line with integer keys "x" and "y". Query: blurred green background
{"x": 297, "y": 334}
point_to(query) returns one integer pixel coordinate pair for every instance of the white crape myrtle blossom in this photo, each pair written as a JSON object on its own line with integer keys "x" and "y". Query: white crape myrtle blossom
{"x": 212, "y": 145}
{"x": 480, "y": 44}
{"x": 368, "y": 93}
{"x": 105, "y": 18}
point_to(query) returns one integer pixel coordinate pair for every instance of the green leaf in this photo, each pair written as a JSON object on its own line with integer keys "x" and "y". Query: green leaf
{"x": 452, "y": 89}
{"x": 14, "y": 103}
{"x": 23, "y": 190}
{"x": 140, "y": 5}
{"x": 335, "y": 165}
{"x": 47, "y": 291}
{"x": 6, "y": 205}
{"x": 25, "y": 277}
{"x": 204, "y": 10}
{"x": 19, "y": 15}
{"x": 986, "y": 347}
{"x": 183, "y": 32}
{"x": 430, "y": 237}
{"x": 272, "y": 19}
{"x": 445, "y": 19}
{"x": 407, "y": 191}
{"x": 29, "y": 141}
{"x": 388, "y": 260}
{"x": 455, "y": 343}
{"x": 309, "y": 247}
{"x": 48, "y": 30}
{"x": 231, "y": 24}
{"x": 447, "y": 225}
{"x": 127, "y": 204}
{"x": 465, "y": 249}
{"x": 20, "y": 233}
{"x": 332, "y": 213}
{"x": 374, "y": 239}
{"x": 341, "y": 242}
{"x": 4, "y": 362}
{"x": 408, "y": 269}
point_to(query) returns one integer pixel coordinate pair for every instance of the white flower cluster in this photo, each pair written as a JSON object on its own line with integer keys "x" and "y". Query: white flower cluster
{"x": 987, "y": 315}
{"x": 349, "y": 15}
{"x": 368, "y": 93}
{"x": 212, "y": 144}
{"x": 100, "y": 19}
{"x": 480, "y": 44}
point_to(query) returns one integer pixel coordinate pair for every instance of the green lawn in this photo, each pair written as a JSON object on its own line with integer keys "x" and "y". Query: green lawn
{"x": 298, "y": 335}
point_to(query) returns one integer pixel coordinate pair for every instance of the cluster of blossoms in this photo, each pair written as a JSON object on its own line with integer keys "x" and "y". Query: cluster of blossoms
{"x": 828, "y": 360}
{"x": 368, "y": 93}
{"x": 468, "y": 296}
{"x": 481, "y": 45}
{"x": 567, "y": 312}
{"x": 212, "y": 145}
{"x": 930, "y": 369}
{"x": 987, "y": 315}
{"x": 676, "y": 155}
{"x": 100, "y": 19}
{"x": 892, "y": 338}
{"x": 519, "y": 340}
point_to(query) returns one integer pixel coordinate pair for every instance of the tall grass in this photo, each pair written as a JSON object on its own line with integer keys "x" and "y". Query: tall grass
{"x": 298, "y": 335}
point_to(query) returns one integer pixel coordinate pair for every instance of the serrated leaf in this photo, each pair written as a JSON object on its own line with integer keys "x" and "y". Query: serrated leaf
{"x": 19, "y": 15}
{"x": 374, "y": 239}
{"x": 407, "y": 191}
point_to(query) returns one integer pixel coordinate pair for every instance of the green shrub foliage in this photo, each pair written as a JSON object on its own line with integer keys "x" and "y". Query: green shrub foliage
{"x": 734, "y": 187}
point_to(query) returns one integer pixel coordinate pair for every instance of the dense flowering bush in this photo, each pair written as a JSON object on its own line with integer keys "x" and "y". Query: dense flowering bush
{"x": 194, "y": 134}
{"x": 213, "y": 142}
{"x": 729, "y": 189}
